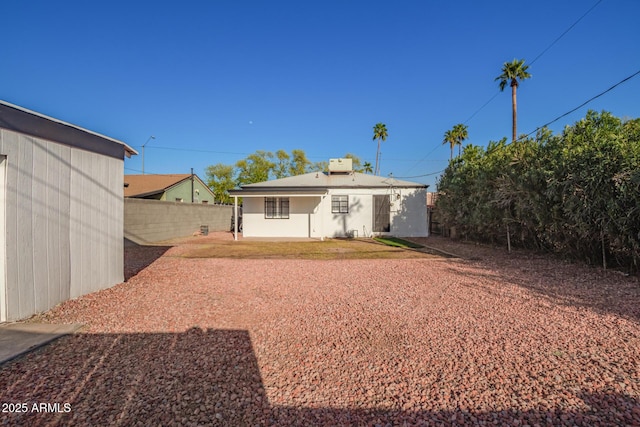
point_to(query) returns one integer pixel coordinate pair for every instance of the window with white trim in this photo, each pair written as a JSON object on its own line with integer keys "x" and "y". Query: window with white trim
{"x": 276, "y": 207}
{"x": 340, "y": 204}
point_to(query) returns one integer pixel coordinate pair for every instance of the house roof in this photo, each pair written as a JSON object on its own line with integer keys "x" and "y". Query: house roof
{"x": 146, "y": 185}
{"x": 319, "y": 182}
{"x": 18, "y": 119}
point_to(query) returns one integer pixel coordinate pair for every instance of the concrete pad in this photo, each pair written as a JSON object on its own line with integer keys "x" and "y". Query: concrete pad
{"x": 19, "y": 338}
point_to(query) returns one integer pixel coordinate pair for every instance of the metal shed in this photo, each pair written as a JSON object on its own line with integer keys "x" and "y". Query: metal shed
{"x": 61, "y": 211}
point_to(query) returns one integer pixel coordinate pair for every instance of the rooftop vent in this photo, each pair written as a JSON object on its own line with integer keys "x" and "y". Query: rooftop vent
{"x": 340, "y": 165}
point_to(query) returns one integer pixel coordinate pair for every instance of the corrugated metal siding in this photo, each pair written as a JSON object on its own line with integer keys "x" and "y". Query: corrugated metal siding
{"x": 3, "y": 234}
{"x": 63, "y": 218}
{"x": 96, "y": 213}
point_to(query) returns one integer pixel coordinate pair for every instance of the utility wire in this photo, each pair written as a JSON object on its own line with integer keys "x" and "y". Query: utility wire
{"x": 539, "y": 55}
{"x": 583, "y": 104}
{"x": 552, "y": 121}
{"x": 419, "y": 176}
{"x": 534, "y": 60}
{"x": 593, "y": 98}
{"x": 155, "y": 147}
{"x": 567, "y": 30}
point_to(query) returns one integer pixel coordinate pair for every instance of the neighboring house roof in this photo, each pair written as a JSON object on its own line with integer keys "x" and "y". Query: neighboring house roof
{"x": 148, "y": 185}
{"x": 320, "y": 182}
{"x": 38, "y": 125}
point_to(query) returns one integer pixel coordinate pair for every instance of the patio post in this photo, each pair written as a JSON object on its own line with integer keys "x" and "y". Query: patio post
{"x": 235, "y": 217}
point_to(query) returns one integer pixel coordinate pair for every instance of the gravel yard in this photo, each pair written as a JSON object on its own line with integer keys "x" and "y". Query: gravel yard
{"x": 487, "y": 339}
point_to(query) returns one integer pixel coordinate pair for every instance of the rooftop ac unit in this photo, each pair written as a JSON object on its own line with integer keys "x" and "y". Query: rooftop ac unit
{"x": 340, "y": 165}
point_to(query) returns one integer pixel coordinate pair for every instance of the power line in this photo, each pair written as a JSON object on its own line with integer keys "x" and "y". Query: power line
{"x": 567, "y": 30}
{"x": 419, "y": 176}
{"x": 552, "y": 121}
{"x": 557, "y": 118}
{"x": 196, "y": 150}
{"x": 539, "y": 55}
{"x": 583, "y": 104}
{"x": 534, "y": 60}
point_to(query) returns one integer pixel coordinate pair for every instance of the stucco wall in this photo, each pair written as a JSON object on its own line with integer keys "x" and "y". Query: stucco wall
{"x": 312, "y": 216}
{"x": 409, "y": 216}
{"x": 63, "y": 220}
{"x": 357, "y": 222}
{"x": 148, "y": 221}
{"x": 297, "y": 225}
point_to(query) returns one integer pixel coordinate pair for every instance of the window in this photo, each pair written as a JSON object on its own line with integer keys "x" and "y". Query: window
{"x": 276, "y": 207}
{"x": 339, "y": 204}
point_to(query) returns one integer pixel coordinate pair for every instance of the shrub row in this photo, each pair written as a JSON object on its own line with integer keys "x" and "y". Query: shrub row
{"x": 576, "y": 194}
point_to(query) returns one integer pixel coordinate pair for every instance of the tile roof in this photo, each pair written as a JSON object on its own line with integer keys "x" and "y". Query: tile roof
{"x": 144, "y": 185}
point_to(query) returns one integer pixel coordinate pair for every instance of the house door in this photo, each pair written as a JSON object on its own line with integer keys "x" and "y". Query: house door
{"x": 381, "y": 214}
{"x": 3, "y": 255}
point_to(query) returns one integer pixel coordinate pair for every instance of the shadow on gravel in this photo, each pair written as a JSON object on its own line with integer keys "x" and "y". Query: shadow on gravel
{"x": 561, "y": 283}
{"x": 212, "y": 378}
{"x": 138, "y": 257}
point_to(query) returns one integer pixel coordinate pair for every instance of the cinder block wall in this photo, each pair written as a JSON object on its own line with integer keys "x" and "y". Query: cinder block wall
{"x": 149, "y": 221}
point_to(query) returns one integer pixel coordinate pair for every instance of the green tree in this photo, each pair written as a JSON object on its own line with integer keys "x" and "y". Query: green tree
{"x": 299, "y": 163}
{"x": 220, "y": 178}
{"x": 257, "y": 167}
{"x": 576, "y": 194}
{"x": 366, "y": 168}
{"x": 282, "y": 164}
{"x": 379, "y": 133}
{"x": 512, "y": 72}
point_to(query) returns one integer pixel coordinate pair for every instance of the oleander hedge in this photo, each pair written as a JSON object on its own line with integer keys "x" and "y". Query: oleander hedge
{"x": 575, "y": 194}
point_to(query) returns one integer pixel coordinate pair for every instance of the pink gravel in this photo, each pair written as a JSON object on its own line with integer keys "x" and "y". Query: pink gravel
{"x": 496, "y": 340}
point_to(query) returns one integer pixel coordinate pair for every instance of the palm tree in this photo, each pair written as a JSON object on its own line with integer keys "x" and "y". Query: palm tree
{"x": 450, "y": 138}
{"x": 461, "y": 133}
{"x": 455, "y": 136}
{"x": 379, "y": 133}
{"x": 511, "y": 73}
{"x": 366, "y": 167}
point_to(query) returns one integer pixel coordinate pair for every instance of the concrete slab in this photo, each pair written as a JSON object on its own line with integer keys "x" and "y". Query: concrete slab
{"x": 19, "y": 338}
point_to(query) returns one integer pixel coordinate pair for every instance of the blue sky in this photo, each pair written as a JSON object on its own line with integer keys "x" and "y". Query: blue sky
{"x": 214, "y": 81}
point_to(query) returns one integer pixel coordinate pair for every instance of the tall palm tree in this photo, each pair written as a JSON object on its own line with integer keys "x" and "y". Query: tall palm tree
{"x": 511, "y": 73}
{"x": 461, "y": 133}
{"x": 379, "y": 133}
{"x": 450, "y": 138}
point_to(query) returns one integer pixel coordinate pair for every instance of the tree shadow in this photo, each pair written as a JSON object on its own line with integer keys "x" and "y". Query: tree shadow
{"x": 560, "y": 282}
{"x": 138, "y": 257}
{"x": 405, "y": 223}
{"x": 212, "y": 377}
{"x": 349, "y": 222}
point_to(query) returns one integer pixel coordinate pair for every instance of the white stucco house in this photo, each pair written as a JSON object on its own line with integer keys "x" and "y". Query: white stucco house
{"x": 337, "y": 203}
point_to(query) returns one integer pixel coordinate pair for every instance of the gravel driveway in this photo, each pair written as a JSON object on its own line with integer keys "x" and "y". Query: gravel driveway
{"x": 496, "y": 340}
